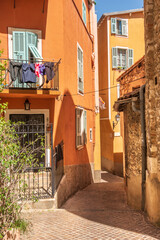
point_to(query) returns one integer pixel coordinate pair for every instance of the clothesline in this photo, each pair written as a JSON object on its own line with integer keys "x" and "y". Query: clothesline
{"x": 32, "y": 60}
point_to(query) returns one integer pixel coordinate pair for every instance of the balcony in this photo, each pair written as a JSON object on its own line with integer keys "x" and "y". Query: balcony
{"x": 14, "y": 82}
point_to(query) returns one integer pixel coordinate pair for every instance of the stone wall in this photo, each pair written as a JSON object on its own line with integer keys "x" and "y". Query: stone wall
{"x": 75, "y": 177}
{"x": 133, "y": 77}
{"x": 152, "y": 69}
{"x": 133, "y": 156}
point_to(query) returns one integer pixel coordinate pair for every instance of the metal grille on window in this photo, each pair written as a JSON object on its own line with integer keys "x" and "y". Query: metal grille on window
{"x": 31, "y": 126}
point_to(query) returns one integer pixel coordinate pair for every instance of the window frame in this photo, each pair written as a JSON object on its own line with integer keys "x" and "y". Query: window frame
{"x": 10, "y": 39}
{"x": 116, "y": 30}
{"x": 83, "y": 127}
{"x": 127, "y": 58}
{"x": 81, "y": 92}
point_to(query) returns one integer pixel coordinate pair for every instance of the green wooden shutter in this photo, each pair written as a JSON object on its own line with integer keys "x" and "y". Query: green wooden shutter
{"x": 84, "y": 127}
{"x": 31, "y": 44}
{"x": 114, "y": 57}
{"x": 19, "y": 52}
{"x": 31, "y": 38}
{"x": 125, "y": 27}
{"x": 84, "y": 12}
{"x": 78, "y": 128}
{"x": 80, "y": 71}
{"x": 130, "y": 57}
{"x": 113, "y": 25}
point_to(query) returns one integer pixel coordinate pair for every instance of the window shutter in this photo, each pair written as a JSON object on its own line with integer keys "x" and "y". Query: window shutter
{"x": 19, "y": 45}
{"x": 130, "y": 57}
{"x": 34, "y": 51}
{"x": 125, "y": 27}
{"x": 84, "y": 12}
{"x": 114, "y": 57}
{"x": 31, "y": 44}
{"x": 31, "y": 38}
{"x": 80, "y": 71}
{"x": 78, "y": 128}
{"x": 84, "y": 127}
{"x": 118, "y": 90}
{"x": 113, "y": 25}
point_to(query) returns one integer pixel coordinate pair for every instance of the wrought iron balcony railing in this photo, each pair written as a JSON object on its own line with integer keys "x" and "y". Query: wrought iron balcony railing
{"x": 8, "y": 81}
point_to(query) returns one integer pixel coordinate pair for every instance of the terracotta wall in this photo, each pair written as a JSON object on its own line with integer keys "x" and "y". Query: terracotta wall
{"x": 62, "y": 27}
{"x": 133, "y": 78}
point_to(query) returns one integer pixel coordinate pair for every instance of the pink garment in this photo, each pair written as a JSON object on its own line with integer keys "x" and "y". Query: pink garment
{"x": 37, "y": 69}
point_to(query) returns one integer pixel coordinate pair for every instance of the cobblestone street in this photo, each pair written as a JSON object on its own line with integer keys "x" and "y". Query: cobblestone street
{"x": 98, "y": 212}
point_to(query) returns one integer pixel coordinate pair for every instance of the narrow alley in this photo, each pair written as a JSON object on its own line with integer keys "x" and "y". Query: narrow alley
{"x": 98, "y": 212}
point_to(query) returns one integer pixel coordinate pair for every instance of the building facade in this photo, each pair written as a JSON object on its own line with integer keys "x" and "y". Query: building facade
{"x": 60, "y": 36}
{"x": 152, "y": 41}
{"x": 118, "y": 49}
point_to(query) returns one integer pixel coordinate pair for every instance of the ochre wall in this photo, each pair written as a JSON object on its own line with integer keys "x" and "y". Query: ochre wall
{"x": 135, "y": 29}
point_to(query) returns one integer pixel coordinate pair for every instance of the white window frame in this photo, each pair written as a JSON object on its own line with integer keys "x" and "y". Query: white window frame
{"x": 80, "y": 92}
{"x": 82, "y": 127}
{"x": 10, "y": 39}
{"x": 118, "y": 90}
{"x": 90, "y": 135}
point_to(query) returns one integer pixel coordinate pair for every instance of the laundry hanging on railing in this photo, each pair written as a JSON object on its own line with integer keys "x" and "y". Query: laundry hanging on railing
{"x": 49, "y": 70}
{"x": 28, "y": 72}
{"x": 15, "y": 69}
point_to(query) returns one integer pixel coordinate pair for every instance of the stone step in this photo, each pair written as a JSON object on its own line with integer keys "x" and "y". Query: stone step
{"x": 40, "y": 205}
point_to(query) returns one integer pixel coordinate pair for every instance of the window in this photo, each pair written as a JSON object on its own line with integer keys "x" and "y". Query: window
{"x": 80, "y": 69}
{"x": 84, "y": 12}
{"x": 122, "y": 58}
{"x": 118, "y": 90}
{"x": 25, "y": 45}
{"x": 81, "y": 127}
{"x": 119, "y": 26}
{"x": 90, "y": 135}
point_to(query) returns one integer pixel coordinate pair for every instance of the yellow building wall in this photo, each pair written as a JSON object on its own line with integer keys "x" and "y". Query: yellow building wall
{"x": 112, "y": 146}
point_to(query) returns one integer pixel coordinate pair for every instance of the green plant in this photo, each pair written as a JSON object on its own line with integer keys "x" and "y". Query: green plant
{"x": 15, "y": 159}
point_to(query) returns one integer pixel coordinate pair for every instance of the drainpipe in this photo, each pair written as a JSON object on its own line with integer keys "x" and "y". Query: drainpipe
{"x": 143, "y": 146}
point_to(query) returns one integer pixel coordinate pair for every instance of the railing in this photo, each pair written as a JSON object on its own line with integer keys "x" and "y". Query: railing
{"x": 40, "y": 83}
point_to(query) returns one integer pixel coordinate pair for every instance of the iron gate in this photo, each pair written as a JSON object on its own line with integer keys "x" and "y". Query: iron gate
{"x": 39, "y": 178}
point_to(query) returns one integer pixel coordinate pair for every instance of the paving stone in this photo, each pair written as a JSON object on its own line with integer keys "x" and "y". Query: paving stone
{"x": 99, "y": 212}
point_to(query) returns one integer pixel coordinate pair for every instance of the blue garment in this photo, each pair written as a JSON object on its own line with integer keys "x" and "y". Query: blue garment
{"x": 42, "y": 69}
{"x": 28, "y": 73}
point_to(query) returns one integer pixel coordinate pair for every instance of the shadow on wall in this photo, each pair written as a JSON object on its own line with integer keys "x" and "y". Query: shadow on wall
{"x": 34, "y": 15}
{"x": 78, "y": 171}
{"x": 107, "y": 157}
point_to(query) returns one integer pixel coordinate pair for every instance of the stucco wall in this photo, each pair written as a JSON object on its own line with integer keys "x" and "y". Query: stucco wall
{"x": 112, "y": 146}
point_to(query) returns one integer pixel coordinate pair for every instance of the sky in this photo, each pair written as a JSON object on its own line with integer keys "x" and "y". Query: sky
{"x": 106, "y": 6}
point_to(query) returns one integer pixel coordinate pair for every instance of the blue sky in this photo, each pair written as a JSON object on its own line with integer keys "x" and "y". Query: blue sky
{"x": 106, "y": 6}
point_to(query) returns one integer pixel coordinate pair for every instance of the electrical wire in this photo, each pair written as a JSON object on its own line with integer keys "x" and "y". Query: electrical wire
{"x": 103, "y": 89}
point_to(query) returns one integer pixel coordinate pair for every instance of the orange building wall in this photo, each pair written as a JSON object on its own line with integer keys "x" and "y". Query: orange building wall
{"x": 61, "y": 28}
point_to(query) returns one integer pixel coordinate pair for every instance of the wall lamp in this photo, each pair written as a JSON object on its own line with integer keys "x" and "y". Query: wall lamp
{"x": 27, "y": 104}
{"x": 117, "y": 119}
